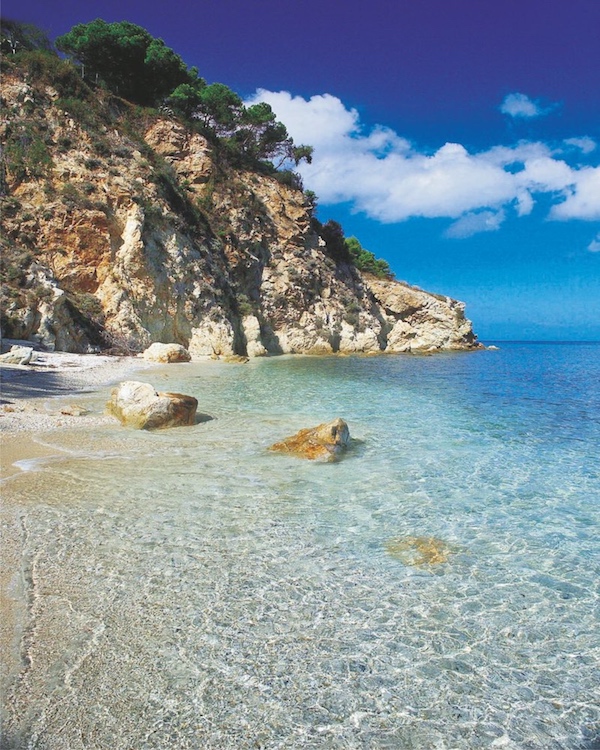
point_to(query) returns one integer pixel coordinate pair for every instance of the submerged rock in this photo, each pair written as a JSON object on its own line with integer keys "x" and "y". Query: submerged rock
{"x": 166, "y": 353}
{"x": 418, "y": 550}
{"x": 138, "y": 405}
{"x": 235, "y": 359}
{"x": 326, "y": 441}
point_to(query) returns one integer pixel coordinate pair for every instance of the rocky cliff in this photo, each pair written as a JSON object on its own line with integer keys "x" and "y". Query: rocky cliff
{"x": 123, "y": 227}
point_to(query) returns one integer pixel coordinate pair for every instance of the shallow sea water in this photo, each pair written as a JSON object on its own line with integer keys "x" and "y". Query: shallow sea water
{"x": 189, "y": 589}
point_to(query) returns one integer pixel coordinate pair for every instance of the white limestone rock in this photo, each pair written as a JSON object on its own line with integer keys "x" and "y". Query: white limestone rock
{"x": 139, "y": 405}
{"x": 19, "y": 355}
{"x": 166, "y": 353}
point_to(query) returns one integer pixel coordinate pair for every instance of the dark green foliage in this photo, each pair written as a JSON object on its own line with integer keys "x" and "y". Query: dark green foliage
{"x": 352, "y": 310}
{"x": 88, "y": 305}
{"x": 302, "y": 152}
{"x": 125, "y": 58}
{"x": 219, "y": 108}
{"x": 129, "y": 62}
{"x": 14, "y": 263}
{"x": 186, "y": 99}
{"x": 41, "y": 66}
{"x": 366, "y": 261}
{"x": 244, "y": 305}
{"x": 73, "y": 198}
{"x": 64, "y": 144}
{"x": 25, "y": 152}
{"x": 9, "y": 206}
{"x": 101, "y": 147}
{"x": 79, "y": 110}
{"x": 290, "y": 178}
{"x": 19, "y": 37}
{"x": 17, "y": 289}
{"x": 260, "y": 137}
{"x": 311, "y": 201}
{"x": 132, "y": 64}
{"x": 249, "y": 135}
{"x": 336, "y": 247}
{"x": 351, "y": 251}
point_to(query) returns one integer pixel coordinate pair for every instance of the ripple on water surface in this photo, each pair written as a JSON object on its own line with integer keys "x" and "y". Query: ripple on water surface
{"x": 437, "y": 588}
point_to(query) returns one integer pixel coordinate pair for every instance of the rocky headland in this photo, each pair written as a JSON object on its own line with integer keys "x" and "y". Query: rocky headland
{"x": 123, "y": 227}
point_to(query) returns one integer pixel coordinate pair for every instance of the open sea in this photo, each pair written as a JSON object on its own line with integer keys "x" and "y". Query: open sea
{"x": 437, "y": 588}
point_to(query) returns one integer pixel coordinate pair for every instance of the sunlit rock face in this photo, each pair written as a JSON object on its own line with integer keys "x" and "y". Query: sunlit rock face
{"x": 136, "y": 237}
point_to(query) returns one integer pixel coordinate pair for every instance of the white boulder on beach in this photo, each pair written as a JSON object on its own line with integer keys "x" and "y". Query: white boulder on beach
{"x": 139, "y": 405}
{"x": 19, "y": 355}
{"x": 166, "y": 353}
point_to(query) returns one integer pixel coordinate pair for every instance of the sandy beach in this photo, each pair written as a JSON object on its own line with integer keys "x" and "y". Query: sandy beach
{"x": 43, "y": 396}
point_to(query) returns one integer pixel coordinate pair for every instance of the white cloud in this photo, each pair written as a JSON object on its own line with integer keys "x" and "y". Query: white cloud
{"x": 473, "y": 223}
{"x": 582, "y": 199}
{"x": 385, "y": 176}
{"x": 594, "y": 246}
{"x": 520, "y": 105}
{"x": 586, "y": 145}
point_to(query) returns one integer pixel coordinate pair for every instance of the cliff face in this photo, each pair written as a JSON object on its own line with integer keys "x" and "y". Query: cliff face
{"x": 118, "y": 236}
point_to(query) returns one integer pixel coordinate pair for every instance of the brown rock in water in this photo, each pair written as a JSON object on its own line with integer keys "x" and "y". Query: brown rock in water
{"x": 326, "y": 441}
{"x": 235, "y": 359}
{"x": 418, "y": 550}
{"x": 138, "y": 405}
{"x": 166, "y": 353}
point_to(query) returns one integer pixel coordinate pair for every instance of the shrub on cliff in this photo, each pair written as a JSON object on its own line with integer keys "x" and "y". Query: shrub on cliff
{"x": 335, "y": 243}
{"x": 365, "y": 261}
{"x": 16, "y": 36}
{"x": 350, "y": 250}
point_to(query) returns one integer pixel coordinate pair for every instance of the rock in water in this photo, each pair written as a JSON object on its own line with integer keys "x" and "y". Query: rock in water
{"x": 418, "y": 550}
{"x": 166, "y": 353}
{"x": 235, "y": 359}
{"x": 138, "y": 405}
{"x": 326, "y": 441}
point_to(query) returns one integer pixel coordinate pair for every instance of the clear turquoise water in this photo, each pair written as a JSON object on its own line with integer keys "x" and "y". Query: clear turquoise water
{"x": 190, "y": 589}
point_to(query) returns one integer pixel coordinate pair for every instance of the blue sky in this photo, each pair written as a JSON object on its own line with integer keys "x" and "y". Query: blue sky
{"x": 459, "y": 139}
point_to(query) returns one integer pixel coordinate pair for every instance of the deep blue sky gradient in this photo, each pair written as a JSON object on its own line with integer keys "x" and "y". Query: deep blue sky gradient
{"x": 435, "y": 71}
